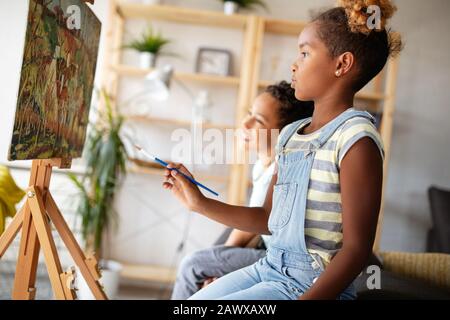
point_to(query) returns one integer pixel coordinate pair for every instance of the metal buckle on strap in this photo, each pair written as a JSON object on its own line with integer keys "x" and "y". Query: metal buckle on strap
{"x": 312, "y": 147}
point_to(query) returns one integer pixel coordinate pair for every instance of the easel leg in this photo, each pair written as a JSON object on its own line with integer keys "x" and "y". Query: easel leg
{"x": 46, "y": 240}
{"x": 25, "y": 277}
{"x": 89, "y": 274}
{"x": 10, "y": 233}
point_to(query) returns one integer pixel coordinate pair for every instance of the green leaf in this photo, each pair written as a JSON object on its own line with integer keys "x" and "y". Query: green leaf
{"x": 149, "y": 41}
{"x": 105, "y": 157}
{"x": 249, "y": 4}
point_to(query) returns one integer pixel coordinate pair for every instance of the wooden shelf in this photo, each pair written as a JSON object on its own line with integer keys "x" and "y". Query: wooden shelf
{"x": 181, "y": 15}
{"x": 159, "y": 172}
{"x": 196, "y": 77}
{"x": 284, "y": 27}
{"x": 176, "y": 122}
{"x": 150, "y": 273}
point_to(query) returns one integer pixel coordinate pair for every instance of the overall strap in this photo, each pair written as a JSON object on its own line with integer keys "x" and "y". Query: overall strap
{"x": 338, "y": 122}
{"x": 288, "y": 132}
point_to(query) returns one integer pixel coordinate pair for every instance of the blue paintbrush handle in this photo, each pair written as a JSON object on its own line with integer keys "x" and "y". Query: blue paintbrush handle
{"x": 165, "y": 164}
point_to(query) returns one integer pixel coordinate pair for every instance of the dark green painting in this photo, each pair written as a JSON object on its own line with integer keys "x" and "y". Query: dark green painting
{"x": 57, "y": 80}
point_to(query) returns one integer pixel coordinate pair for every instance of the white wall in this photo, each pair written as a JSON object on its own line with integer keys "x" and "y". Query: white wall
{"x": 150, "y": 229}
{"x": 420, "y": 150}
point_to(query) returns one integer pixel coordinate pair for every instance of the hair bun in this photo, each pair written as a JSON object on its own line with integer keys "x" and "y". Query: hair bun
{"x": 395, "y": 44}
{"x": 357, "y": 14}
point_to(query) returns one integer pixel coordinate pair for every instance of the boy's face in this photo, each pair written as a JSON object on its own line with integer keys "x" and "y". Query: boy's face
{"x": 313, "y": 72}
{"x": 262, "y": 115}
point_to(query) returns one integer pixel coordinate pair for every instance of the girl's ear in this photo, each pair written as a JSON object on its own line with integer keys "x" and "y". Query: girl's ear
{"x": 344, "y": 63}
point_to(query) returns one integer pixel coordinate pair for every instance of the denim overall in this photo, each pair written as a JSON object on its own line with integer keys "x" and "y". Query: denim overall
{"x": 288, "y": 270}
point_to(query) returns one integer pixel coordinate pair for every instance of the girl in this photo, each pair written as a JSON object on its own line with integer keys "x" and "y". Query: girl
{"x": 327, "y": 190}
{"x": 272, "y": 110}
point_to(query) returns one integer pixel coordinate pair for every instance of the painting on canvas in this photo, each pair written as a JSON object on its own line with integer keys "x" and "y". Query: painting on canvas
{"x": 57, "y": 80}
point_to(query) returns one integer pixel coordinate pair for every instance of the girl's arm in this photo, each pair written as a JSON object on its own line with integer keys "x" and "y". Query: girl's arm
{"x": 238, "y": 238}
{"x": 361, "y": 185}
{"x": 253, "y": 220}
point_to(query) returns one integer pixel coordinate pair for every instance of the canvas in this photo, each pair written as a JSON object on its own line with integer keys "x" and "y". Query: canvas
{"x": 57, "y": 80}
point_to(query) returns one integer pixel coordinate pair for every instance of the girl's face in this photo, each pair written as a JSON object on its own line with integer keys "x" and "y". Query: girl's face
{"x": 262, "y": 115}
{"x": 313, "y": 72}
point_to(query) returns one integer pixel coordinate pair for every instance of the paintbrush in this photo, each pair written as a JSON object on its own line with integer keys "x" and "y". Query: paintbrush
{"x": 165, "y": 164}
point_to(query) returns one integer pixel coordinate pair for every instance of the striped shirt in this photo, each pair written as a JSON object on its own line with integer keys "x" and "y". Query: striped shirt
{"x": 323, "y": 219}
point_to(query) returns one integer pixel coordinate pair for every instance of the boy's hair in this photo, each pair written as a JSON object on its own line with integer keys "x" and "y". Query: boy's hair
{"x": 346, "y": 29}
{"x": 290, "y": 109}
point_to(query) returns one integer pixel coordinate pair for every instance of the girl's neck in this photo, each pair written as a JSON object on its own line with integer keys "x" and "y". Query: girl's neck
{"x": 326, "y": 109}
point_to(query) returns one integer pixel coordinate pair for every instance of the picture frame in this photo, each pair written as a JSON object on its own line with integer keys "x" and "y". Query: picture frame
{"x": 214, "y": 61}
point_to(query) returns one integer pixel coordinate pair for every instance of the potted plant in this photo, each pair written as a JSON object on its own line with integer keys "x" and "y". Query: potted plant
{"x": 232, "y": 6}
{"x": 105, "y": 156}
{"x": 149, "y": 45}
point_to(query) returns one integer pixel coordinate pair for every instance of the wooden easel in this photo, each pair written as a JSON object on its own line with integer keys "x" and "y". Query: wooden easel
{"x": 35, "y": 218}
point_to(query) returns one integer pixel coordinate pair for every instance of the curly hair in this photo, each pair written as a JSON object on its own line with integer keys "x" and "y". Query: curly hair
{"x": 345, "y": 29}
{"x": 290, "y": 109}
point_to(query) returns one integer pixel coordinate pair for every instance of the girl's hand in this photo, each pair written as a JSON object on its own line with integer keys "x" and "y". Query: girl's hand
{"x": 208, "y": 281}
{"x": 184, "y": 190}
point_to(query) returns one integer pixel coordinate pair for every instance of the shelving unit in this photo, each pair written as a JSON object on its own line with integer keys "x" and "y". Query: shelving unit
{"x": 380, "y": 98}
{"x": 128, "y": 10}
{"x": 200, "y": 78}
{"x": 175, "y": 122}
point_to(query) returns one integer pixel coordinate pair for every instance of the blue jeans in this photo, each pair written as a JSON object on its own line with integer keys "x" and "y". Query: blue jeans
{"x": 210, "y": 263}
{"x": 278, "y": 276}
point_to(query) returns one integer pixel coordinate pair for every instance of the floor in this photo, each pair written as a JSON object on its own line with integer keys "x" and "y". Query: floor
{"x": 7, "y": 271}
{"x": 128, "y": 290}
